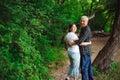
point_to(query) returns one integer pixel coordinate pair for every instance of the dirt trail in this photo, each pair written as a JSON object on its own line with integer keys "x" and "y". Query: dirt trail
{"x": 97, "y": 44}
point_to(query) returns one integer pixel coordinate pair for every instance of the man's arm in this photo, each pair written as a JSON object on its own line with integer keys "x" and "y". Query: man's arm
{"x": 82, "y": 43}
{"x": 86, "y": 43}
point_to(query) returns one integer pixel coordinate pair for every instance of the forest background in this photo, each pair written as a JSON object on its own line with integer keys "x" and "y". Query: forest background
{"x": 32, "y": 31}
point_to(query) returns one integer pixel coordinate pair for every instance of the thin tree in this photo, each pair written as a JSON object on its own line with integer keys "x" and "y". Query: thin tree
{"x": 104, "y": 58}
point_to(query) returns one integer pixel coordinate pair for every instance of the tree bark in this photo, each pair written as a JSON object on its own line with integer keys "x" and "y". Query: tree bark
{"x": 104, "y": 58}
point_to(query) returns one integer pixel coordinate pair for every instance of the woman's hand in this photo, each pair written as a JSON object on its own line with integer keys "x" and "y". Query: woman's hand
{"x": 70, "y": 43}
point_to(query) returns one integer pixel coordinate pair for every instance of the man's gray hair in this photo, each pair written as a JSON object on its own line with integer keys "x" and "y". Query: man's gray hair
{"x": 85, "y": 17}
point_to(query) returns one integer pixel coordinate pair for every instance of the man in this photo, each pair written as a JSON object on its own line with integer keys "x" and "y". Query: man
{"x": 85, "y": 51}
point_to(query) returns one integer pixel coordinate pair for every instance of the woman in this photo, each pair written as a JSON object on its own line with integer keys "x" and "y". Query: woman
{"x": 73, "y": 52}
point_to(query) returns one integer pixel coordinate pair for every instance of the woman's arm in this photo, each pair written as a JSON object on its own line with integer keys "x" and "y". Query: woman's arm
{"x": 71, "y": 43}
{"x": 86, "y": 43}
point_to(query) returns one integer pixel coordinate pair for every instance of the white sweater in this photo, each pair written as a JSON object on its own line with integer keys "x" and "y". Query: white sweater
{"x": 70, "y": 37}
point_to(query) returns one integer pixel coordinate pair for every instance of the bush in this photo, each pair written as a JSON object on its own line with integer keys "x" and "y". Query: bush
{"x": 112, "y": 74}
{"x": 53, "y": 57}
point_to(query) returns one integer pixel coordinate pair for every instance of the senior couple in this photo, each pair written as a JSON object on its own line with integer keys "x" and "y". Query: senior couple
{"x": 79, "y": 51}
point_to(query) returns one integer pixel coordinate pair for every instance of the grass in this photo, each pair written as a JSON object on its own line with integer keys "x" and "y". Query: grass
{"x": 112, "y": 74}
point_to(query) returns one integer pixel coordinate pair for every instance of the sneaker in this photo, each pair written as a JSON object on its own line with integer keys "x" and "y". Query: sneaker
{"x": 67, "y": 78}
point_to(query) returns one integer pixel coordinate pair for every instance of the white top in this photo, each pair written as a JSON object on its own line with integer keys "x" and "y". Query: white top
{"x": 70, "y": 37}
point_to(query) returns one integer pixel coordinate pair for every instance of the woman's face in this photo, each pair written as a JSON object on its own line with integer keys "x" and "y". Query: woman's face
{"x": 73, "y": 28}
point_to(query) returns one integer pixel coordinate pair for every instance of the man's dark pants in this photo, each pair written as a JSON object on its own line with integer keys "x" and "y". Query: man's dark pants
{"x": 86, "y": 67}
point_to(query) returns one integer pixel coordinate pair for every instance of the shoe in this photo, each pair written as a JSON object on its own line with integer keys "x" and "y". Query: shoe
{"x": 67, "y": 78}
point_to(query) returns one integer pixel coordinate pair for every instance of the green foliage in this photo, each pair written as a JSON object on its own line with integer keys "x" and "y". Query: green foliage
{"x": 112, "y": 74}
{"x": 53, "y": 56}
{"x": 19, "y": 57}
{"x": 107, "y": 29}
{"x": 31, "y": 32}
{"x": 96, "y": 71}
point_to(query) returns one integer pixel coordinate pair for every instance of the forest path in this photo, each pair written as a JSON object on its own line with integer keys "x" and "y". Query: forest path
{"x": 97, "y": 44}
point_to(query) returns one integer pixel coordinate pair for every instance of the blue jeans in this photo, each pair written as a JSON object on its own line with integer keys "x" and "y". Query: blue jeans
{"x": 86, "y": 67}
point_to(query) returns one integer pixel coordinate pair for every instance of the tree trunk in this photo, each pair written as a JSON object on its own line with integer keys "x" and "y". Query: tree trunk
{"x": 104, "y": 58}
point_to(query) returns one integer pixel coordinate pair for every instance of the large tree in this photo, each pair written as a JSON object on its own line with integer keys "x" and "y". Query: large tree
{"x": 104, "y": 58}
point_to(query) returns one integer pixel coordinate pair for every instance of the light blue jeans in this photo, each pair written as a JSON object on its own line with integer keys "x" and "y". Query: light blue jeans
{"x": 74, "y": 64}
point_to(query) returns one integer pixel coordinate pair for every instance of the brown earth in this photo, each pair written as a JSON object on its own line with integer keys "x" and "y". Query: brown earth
{"x": 97, "y": 44}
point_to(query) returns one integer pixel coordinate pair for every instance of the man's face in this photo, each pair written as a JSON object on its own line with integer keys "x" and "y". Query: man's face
{"x": 84, "y": 22}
